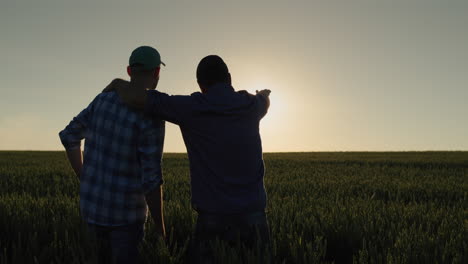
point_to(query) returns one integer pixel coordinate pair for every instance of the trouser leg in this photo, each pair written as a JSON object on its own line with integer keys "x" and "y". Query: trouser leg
{"x": 118, "y": 244}
{"x": 100, "y": 235}
{"x": 248, "y": 231}
{"x": 124, "y": 242}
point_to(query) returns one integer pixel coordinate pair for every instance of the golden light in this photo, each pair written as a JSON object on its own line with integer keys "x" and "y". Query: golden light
{"x": 272, "y": 124}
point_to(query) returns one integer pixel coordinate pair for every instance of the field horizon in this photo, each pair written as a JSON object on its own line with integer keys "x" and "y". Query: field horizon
{"x": 288, "y": 152}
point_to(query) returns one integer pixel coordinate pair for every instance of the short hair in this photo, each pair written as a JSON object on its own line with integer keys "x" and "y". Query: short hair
{"x": 211, "y": 70}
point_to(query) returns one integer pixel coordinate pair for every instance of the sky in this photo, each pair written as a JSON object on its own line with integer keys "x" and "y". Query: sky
{"x": 362, "y": 75}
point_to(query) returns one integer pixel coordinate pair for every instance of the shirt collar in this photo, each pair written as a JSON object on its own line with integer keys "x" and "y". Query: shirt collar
{"x": 220, "y": 88}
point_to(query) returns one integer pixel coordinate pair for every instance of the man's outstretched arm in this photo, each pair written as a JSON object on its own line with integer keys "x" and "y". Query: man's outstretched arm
{"x": 264, "y": 99}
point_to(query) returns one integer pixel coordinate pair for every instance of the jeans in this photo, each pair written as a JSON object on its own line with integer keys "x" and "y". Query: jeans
{"x": 245, "y": 232}
{"x": 117, "y": 244}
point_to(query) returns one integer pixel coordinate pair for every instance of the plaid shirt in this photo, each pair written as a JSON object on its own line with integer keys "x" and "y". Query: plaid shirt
{"x": 122, "y": 160}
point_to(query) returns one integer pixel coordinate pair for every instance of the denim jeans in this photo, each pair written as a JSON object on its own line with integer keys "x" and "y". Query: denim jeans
{"x": 248, "y": 231}
{"x": 118, "y": 244}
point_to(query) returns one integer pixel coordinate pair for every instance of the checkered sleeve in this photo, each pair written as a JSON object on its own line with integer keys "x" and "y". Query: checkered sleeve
{"x": 150, "y": 148}
{"x": 72, "y": 135}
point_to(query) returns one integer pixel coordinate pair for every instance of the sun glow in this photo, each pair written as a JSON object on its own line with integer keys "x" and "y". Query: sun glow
{"x": 278, "y": 104}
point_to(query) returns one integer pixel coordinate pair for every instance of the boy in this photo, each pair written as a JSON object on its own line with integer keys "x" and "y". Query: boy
{"x": 120, "y": 175}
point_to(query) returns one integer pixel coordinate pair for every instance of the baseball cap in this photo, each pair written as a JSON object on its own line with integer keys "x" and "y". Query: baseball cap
{"x": 147, "y": 56}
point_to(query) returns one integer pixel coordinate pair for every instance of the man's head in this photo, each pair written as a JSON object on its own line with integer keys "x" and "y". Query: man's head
{"x": 144, "y": 66}
{"x": 212, "y": 70}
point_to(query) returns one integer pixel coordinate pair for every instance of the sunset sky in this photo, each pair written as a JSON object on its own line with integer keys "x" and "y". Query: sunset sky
{"x": 363, "y": 75}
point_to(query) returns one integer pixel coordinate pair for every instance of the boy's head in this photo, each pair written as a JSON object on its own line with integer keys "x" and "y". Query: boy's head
{"x": 144, "y": 65}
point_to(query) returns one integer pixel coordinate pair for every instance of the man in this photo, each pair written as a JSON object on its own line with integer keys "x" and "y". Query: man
{"x": 120, "y": 175}
{"x": 220, "y": 128}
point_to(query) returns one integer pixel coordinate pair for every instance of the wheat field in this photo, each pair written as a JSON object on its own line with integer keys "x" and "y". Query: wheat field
{"x": 341, "y": 207}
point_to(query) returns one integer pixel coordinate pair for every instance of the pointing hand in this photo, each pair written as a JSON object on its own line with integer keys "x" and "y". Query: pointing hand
{"x": 265, "y": 92}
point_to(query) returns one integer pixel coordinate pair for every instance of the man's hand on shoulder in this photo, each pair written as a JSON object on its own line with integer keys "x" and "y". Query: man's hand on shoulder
{"x": 132, "y": 94}
{"x": 115, "y": 85}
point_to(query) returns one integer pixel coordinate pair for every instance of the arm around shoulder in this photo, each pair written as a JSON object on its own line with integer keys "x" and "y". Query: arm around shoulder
{"x": 133, "y": 94}
{"x": 172, "y": 108}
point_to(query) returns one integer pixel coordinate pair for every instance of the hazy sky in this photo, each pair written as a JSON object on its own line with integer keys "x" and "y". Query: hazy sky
{"x": 344, "y": 75}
